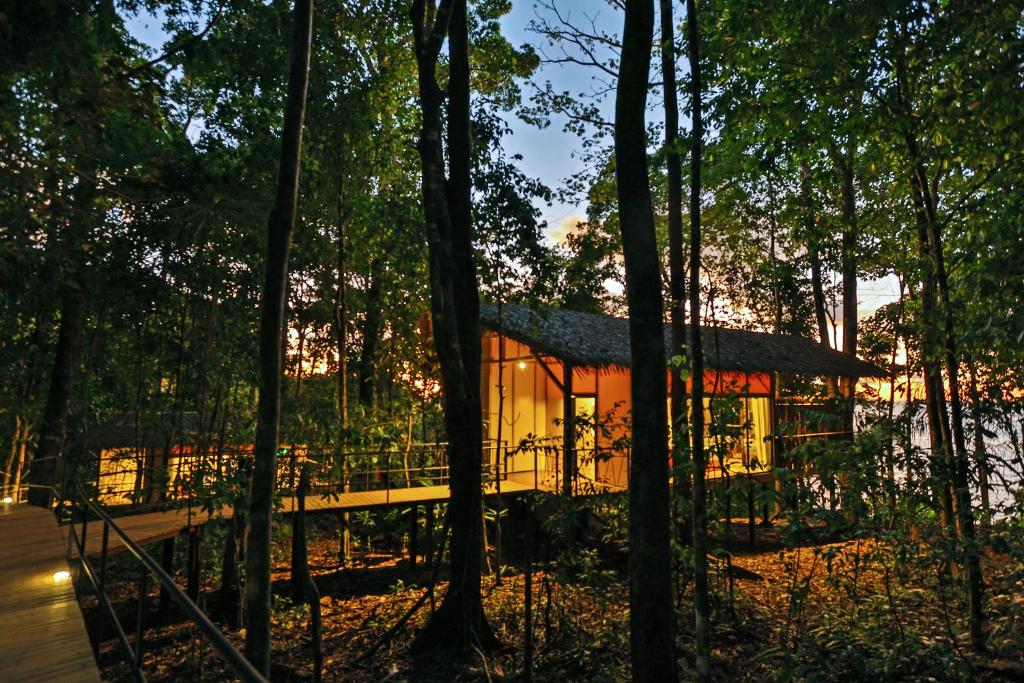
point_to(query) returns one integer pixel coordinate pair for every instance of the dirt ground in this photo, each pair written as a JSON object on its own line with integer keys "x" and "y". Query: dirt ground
{"x": 847, "y": 610}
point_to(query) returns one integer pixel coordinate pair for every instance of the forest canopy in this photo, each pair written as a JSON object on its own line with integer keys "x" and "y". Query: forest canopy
{"x": 260, "y": 234}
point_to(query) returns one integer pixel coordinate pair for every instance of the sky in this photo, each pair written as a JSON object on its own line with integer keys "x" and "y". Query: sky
{"x": 550, "y": 154}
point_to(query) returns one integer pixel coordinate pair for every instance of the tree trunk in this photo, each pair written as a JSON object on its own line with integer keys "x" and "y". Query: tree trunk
{"x": 455, "y": 315}
{"x": 371, "y": 335}
{"x": 341, "y": 330}
{"x": 961, "y": 466}
{"x": 300, "y": 552}
{"x": 651, "y": 620}
{"x": 814, "y": 255}
{"x": 701, "y": 601}
{"x": 227, "y": 605}
{"x": 275, "y": 289}
{"x": 45, "y": 465}
{"x": 844, "y": 163}
{"x": 980, "y": 452}
{"x": 676, "y": 268}
{"x": 937, "y": 345}
{"x": 9, "y": 488}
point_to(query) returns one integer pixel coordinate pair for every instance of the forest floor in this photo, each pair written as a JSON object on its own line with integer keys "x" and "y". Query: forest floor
{"x": 855, "y": 609}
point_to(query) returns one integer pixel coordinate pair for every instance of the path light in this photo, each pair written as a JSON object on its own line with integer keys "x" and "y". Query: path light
{"x": 8, "y": 500}
{"x": 61, "y": 576}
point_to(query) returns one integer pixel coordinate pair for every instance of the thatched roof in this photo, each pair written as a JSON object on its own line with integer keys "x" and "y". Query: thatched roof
{"x": 592, "y": 340}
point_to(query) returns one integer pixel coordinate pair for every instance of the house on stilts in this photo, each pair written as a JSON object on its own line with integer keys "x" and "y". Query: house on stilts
{"x": 556, "y": 395}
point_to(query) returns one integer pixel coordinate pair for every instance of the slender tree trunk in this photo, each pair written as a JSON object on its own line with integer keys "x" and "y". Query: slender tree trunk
{"x": 814, "y": 254}
{"x": 844, "y": 161}
{"x": 890, "y": 462}
{"x": 12, "y": 456}
{"x": 45, "y": 465}
{"x": 272, "y": 305}
{"x": 230, "y": 594}
{"x": 341, "y": 330}
{"x": 371, "y": 335}
{"x": 651, "y": 618}
{"x": 961, "y": 465}
{"x": 980, "y": 452}
{"x": 937, "y": 344}
{"x": 701, "y": 600}
{"x": 455, "y": 314}
{"x": 300, "y": 552}
{"x": 773, "y": 231}
{"x": 676, "y": 267}
{"x": 22, "y": 426}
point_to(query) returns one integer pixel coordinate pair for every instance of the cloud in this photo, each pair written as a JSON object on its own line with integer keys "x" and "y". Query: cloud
{"x": 563, "y": 228}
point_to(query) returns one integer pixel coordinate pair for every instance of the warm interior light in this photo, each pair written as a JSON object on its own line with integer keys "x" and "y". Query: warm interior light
{"x": 522, "y": 365}
{"x": 8, "y": 500}
{"x": 61, "y": 576}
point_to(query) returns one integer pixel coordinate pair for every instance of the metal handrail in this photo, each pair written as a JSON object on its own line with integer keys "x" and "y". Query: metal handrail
{"x": 179, "y": 490}
{"x": 231, "y": 656}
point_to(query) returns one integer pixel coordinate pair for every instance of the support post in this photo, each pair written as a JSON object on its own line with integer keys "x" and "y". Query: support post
{"x": 751, "y": 515}
{"x": 528, "y": 602}
{"x": 773, "y": 442}
{"x": 167, "y": 564}
{"x": 195, "y": 536}
{"x": 428, "y": 551}
{"x": 413, "y": 550}
{"x": 140, "y": 619}
{"x": 344, "y": 539}
{"x": 568, "y": 431}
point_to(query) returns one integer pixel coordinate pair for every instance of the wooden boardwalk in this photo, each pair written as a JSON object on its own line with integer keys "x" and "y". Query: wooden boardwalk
{"x": 150, "y": 527}
{"x": 43, "y": 633}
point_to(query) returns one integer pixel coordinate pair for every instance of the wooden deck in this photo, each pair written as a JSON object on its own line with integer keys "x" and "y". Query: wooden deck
{"x": 150, "y": 527}
{"x": 44, "y": 636}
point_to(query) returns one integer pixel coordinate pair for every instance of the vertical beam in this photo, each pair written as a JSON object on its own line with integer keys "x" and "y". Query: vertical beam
{"x": 568, "y": 431}
{"x": 428, "y": 551}
{"x": 344, "y": 539}
{"x": 167, "y": 564}
{"x": 195, "y": 538}
{"x": 413, "y": 524}
{"x": 773, "y": 442}
{"x": 751, "y": 514}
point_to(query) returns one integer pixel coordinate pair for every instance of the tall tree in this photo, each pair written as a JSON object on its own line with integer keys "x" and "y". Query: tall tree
{"x": 676, "y": 265}
{"x": 651, "y": 620}
{"x": 455, "y": 312}
{"x": 272, "y": 304}
{"x": 701, "y": 602}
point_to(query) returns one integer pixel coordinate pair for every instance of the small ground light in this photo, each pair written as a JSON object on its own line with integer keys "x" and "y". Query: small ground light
{"x": 8, "y": 500}
{"x": 61, "y": 576}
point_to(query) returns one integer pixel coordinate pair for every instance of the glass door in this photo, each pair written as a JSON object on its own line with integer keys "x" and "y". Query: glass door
{"x": 584, "y": 408}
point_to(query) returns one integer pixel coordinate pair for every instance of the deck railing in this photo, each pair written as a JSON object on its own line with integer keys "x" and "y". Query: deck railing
{"x": 128, "y": 480}
{"x": 83, "y": 516}
{"x": 132, "y": 480}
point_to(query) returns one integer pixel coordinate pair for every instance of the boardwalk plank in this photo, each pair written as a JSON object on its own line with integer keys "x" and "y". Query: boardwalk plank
{"x": 44, "y": 636}
{"x": 150, "y": 527}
